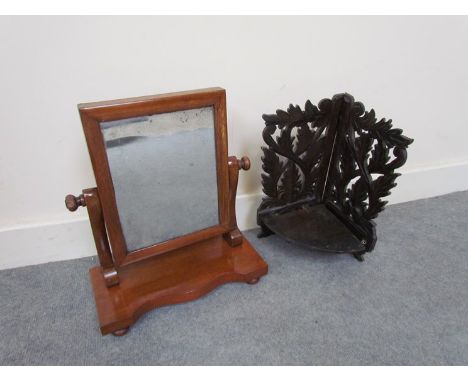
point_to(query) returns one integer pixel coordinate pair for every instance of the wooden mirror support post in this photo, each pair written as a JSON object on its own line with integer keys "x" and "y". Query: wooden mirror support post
{"x": 127, "y": 283}
{"x": 326, "y": 173}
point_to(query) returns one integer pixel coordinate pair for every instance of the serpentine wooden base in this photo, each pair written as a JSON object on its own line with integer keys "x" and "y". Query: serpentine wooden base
{"x": 178, "y": 276}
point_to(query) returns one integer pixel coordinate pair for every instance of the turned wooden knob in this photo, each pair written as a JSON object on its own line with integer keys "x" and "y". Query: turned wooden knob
{"x": 73, "y": 202}
{"x": 244, "y": 163}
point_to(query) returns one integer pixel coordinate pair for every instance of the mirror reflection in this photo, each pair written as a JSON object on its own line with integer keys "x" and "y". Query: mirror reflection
{"x": 163, "y": 168}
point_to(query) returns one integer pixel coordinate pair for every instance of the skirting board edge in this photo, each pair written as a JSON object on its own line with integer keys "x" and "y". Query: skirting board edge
{"x": 70, "y": 239}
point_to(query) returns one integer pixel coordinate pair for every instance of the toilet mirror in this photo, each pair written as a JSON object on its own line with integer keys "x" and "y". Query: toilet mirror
{"x": 161, "y": 168}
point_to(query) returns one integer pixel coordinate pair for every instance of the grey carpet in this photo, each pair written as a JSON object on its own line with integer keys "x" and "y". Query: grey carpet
{"x": 407, "y": 304}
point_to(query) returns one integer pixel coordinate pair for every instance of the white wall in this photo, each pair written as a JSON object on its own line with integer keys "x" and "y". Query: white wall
{"x": 410, "y": 69}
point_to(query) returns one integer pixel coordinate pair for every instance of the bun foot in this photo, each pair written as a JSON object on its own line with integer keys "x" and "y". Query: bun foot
{"x": 120, "y": 332}
{"x": 253, "y": 281}
{"x": 359, "y": 256}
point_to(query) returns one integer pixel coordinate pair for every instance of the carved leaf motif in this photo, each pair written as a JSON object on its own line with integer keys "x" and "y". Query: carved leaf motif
{"x": 304, "y": 138}
{"x": 270, "y": 119}
{"x": 358, "y": 193}
{"x": 313, "y": 154}
{"x": 392, "y": 137}
{"x": 367, "y": 120}
{"x": 291, "y": 185}
{"x": 301, "y": 150}
{"x": 282, "y": 118}
{"x": 395, "y": 138}
{"x": 285, "y": 140}
{"x": 295, "y": 114}
{"x": 310, "y": 111}
{"x": 324, "y": 108}
{"x": 364, "y": 144}
{"x": 273, "y": 169}
{"x": 379, "y": 157}
{"x": 382, "y": 186}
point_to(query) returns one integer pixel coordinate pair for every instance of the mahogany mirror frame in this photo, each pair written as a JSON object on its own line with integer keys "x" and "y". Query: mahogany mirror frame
{"x": 92, "y": 114}
{"x": 177, "y": 270}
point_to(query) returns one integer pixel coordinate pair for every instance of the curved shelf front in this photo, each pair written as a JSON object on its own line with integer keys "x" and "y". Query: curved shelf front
{"x": 314, "y": 226}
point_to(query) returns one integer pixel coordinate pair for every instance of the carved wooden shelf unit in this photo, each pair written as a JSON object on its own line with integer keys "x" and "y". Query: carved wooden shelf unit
{"x": 326, "y": 170}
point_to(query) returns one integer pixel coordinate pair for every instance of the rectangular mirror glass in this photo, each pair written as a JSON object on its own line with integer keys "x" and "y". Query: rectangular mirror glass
{"x": 163, "y": 169}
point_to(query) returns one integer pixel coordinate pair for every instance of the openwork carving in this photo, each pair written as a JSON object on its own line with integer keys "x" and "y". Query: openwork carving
{"x": 337, "y": 154}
